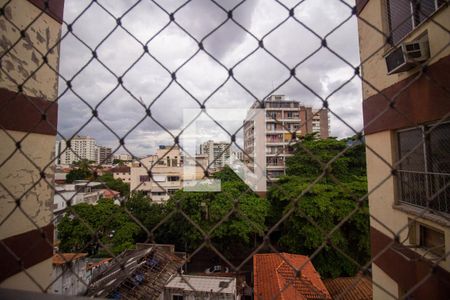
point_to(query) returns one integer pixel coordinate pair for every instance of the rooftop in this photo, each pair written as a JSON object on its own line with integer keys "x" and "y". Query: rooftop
{"x": 199, "y": 283}
{"x": 275, "y": 277}
{"x": 350, "y": 288}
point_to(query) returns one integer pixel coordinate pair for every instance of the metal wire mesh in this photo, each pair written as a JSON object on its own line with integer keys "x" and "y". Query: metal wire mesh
{"x": 420, "y": 169}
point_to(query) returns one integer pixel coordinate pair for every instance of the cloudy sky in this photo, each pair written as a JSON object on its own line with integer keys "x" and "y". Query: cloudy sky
{"x": 148, "y": 83}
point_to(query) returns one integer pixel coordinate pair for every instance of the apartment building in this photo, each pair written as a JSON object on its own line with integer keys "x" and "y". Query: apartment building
{"x": 103, "y": 155}
{"x": 284, "y": 122}
{"x": 218, "y": 153}
{"x": 81, "y": 147}
{"x": 123, "y": 157}
{"x": 166, "y": 167}
{"x": 123, "y": 173}
{"x": 408, "y": 163}
{"x": 28, "y": 118}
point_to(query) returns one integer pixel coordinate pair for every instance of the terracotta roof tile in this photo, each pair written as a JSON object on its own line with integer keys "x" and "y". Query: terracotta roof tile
{"x": 274, "y": 276}
{"x": 350, "y": 288}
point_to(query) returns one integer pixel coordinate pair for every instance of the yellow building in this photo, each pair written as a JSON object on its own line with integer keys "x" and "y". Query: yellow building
{"x": 405, "y": 57}
{"x": 167, "y": 173}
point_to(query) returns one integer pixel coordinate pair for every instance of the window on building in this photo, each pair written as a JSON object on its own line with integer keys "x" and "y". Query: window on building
{"x": 173, "y": 178}
{"x": 424, "y": 169}
{"x": 433, "y": 240}
{"x": 177, "y": 297}
{"x": 427, "y": 237}
{"x": 144, "y": 178}
{"x": 405, "y": 15}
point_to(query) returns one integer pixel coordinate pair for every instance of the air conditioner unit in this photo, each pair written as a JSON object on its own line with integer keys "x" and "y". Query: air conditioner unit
{"x": 407, "y": 56}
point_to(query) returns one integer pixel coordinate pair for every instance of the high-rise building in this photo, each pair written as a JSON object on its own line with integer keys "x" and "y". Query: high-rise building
{"x": 218, "y": 153}
{"x": 405, "y": 61}
{"x": 103, "y": 155}
{"x": 285, "y": 120}
{"x": 81, "y": 147}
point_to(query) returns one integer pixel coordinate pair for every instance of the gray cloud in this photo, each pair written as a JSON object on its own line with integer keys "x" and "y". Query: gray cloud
{"x": 148, "y": 81}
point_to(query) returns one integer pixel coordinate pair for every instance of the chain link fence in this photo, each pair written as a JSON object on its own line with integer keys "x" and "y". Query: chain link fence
{"x": 415, "y": 168}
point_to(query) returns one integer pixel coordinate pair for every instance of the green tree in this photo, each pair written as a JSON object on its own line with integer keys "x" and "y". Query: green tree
{"x": 85, "y": 227}
{"x": 81, "y": 171}
{"x": 323, "y": 205}
{"x": 146, "y": 211}
{"x": 115, "y": 184}
{"x": 209, "y": 208}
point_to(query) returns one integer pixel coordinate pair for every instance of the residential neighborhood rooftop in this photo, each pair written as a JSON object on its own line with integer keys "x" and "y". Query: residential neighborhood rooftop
{"x": 274, "y": 277}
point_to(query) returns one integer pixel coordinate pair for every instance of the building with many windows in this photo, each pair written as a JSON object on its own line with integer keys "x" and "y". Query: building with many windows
{"x": 103, "y": 155}
{"x": 167, "y": 173}
{"x": 284, "y": 122}
{"x": 218, "y": 153}
{"x": 81, "y": 147}
{"x": 405, "y": 55}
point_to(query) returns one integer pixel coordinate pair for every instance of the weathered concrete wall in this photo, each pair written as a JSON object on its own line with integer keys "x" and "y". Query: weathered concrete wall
{"x": 24, "y": 58}
{"x": 28, "y": 88}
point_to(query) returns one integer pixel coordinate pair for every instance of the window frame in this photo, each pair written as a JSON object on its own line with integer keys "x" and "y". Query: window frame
{"x": 427, "y": 168}
{"x": 417, "y": 239}
{"x": 414, "y": 23}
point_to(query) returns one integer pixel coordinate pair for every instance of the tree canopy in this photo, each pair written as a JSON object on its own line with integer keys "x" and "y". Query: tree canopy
{"x": 318, "y": 208}
{"x": 85, "y": 227}
{"x": 241, "y": 213}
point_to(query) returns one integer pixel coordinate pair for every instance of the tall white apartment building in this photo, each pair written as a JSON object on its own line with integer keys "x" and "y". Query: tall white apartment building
{"x": 285, "y": 120}
{"x": 81, "y": 147}
{"x": 218, "y": 153}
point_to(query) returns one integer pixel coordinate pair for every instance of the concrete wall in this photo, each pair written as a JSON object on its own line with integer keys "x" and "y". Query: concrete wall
{"x": 387, "y": 216}
{"x": 28, "y": 87}
{"x": 373, "y": 44}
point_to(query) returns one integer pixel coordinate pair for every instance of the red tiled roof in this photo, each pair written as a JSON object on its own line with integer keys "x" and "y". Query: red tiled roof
{"x": 63, "y": 258}
{"x": 94, "y": 265}
{"x": 273, "y": 276}
{"x": 350, "y": 288}
{"x": 109, "y": 194}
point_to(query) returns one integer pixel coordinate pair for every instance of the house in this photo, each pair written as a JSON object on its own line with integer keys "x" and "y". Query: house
{"x": 405, "y": 61}
{"x": 168, "y": 172}
{"x": 70, "y": 274}
{"x": 275, "y": 277}
{"x": 122, "y": 172}
{"x": 191, "y": 287}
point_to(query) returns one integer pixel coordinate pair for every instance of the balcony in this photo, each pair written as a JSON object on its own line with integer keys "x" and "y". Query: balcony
{"x": 416, "y": 187}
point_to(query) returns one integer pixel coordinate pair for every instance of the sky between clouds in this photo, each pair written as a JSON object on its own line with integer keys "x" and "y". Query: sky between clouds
{"x": 260, "y": 73}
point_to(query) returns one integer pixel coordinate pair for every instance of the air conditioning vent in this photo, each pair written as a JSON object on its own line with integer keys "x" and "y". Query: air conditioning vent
{"x": 407, "y": 56}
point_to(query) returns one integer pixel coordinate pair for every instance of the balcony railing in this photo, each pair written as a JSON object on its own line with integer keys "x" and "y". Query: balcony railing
{"x": 425, "y": 189}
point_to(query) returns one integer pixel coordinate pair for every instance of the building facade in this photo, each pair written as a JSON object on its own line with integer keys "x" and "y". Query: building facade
{"x": 81, "y": 147}
{"x": 167, "y": 169}
{"x": 28, "y": 122}
{"x": 123, "y": 157}
{"x": 285, "y": 121}
{"x": 123, "y": 173}
{"x": 218, "y": 153}
{"x": 103, "y": 155}
{"x": 407, "y": 133}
